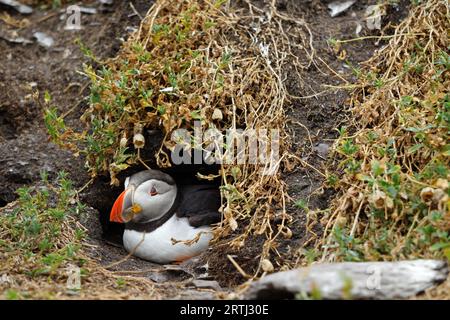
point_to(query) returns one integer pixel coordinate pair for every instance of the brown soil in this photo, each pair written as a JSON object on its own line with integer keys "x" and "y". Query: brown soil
{"x": 25, "y": 149}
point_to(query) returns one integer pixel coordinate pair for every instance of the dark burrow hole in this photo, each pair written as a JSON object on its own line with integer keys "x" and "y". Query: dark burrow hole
{"x": 7, "y": 195}
{"x": 3, "y": 203}
{"x": 7, "y": 128}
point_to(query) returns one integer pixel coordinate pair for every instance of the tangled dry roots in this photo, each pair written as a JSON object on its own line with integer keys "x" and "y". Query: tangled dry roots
{"x": 193, "y": 61}
{"x": 393, "y": 201}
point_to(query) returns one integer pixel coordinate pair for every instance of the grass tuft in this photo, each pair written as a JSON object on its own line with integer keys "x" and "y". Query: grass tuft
{"x": 393, "y": 163}
{"x": 43, "y": 244}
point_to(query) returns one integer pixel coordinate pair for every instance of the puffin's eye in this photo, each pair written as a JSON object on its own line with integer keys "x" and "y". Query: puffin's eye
{"x": 153, "y": 191}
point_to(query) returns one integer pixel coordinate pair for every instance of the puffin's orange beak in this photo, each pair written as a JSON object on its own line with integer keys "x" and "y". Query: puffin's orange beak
{"x": 117, "y": 209}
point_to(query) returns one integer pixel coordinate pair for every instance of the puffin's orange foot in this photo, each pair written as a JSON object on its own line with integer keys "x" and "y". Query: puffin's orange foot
{"x": 182, "y": 259}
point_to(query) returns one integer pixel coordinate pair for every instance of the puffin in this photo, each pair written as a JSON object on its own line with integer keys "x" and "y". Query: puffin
{"x": 166, "y": 222}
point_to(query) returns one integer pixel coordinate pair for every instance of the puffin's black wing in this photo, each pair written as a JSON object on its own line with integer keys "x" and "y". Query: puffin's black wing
{"x": 200, "y": 204}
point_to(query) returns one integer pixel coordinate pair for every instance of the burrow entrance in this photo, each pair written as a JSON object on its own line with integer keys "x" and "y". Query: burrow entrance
{"x": 101, "y": 195}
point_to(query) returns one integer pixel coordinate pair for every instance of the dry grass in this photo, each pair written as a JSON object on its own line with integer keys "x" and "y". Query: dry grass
{"x": 393, "y": 188}
{"x": 200, "y": 61}
{"x": 225, "y": 70}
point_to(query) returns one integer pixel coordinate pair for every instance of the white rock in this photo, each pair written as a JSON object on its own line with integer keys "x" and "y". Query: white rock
{"x": 338, "y": 7}
{"x": 217, "y": 114}
{"x": 43, "y": 39}
{"x": 21, "y": 8}
{"x": 373, "y": 17}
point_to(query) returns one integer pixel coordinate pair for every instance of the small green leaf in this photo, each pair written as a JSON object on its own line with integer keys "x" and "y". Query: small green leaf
{"x": 47, "y": 97}
{"x": 439, "y": 246}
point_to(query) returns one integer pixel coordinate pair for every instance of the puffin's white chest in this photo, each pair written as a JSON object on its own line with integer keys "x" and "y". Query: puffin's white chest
{"x": 157, "y": 246}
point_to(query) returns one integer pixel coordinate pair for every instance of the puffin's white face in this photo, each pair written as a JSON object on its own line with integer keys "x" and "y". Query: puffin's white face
{"x": 148, "y": 201}
{"x": 155, "y": 198}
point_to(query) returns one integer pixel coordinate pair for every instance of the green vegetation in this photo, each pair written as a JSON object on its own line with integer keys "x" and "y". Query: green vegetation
{"x": 162, "y": 79}
{"x": 394, "y": 163}
{"x": 43, "y": 249}
{"x": 40, "y": 235}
